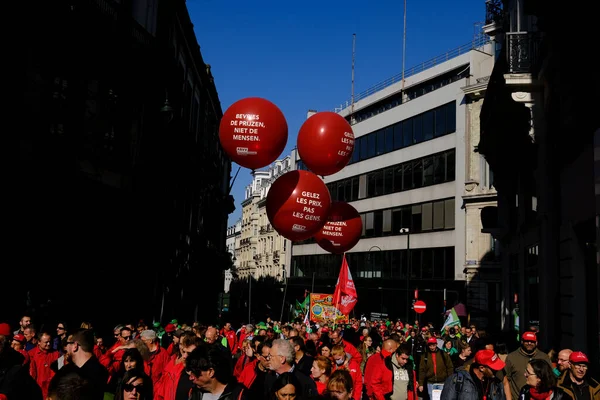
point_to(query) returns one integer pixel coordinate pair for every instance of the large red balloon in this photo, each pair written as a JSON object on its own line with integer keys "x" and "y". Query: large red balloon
{"x": 325, "y": 143}
{"x": 342, "y": 230}
{"x": 298, "y": 203}
{"x": 253, "y": 132}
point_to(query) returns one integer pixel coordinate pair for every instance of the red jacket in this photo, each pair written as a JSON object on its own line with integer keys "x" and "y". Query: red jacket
{"x": 157, "y": 363}
{"x": 39, "y": 367}
{"x": 354, "y": 353}
{"x": 241, "y": 363}
{"x": 167, "y": 384}
{"x": 231, "y": 340}
{"x": 248, "y": 375}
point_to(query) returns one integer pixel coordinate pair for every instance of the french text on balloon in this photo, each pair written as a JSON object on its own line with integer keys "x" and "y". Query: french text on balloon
{"x": 310, "y": 201}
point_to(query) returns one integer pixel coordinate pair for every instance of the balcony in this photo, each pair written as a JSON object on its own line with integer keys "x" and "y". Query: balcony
{"x": 494, "y": 15}
{"x": 276, "y": 255}
{"x": 523, "y": 49}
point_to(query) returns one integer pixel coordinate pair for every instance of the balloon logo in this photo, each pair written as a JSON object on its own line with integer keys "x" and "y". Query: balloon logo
{"x": 298, "y": 204}
{"x": 253, "y": 132}
{"x": 342, "y": 230}
{"x": 325, "y": 143}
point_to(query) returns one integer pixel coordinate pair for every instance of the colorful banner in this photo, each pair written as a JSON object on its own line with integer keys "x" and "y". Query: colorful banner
{"x": 322, "y": 310}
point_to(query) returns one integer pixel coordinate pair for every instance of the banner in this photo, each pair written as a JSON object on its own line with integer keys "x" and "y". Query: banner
{"x": 345, "y": 297}
{"x": 452, "y": 319}
{"x": 323, "y": 311}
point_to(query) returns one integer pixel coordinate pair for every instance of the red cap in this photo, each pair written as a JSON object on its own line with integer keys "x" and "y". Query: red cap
{"x": 19, "y": 337}
{"x": 325, "y": 329}
{"x": 424, "y": 329}
{"x": 5, "y": 329}
{"x": 489, "y": 359}
{"x": 577, "y": 357}
{"x": 529, "y": 337}
{"x": 170, "y": 328}
{"x": 432, "y": 340}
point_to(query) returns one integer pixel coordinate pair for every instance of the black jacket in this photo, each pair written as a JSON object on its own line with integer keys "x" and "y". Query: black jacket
{"x": 233, "y": 391}
{"x": 307, "y": 384}
{"x": 558, "y": 394}
{"x": 15, "y": 381}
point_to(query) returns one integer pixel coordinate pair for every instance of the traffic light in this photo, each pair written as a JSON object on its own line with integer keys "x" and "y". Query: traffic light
{"x": 223, "y": 302}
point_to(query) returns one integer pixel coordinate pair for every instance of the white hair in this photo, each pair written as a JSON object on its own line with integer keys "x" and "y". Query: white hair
{"x": 286, "y": 349}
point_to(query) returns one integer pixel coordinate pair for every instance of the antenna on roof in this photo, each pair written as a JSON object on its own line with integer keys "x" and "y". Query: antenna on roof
{"x": 352, "y": 95}
{"x": 404, "y": 45}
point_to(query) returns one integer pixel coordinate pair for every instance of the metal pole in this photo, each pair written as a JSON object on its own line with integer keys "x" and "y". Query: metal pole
{"x": 408, "y": 276}
{"x": 249, "y": 297}
{"x": 353, "y": 57}
{"x": 404, "y": 45}
{"x": 284, "y": 293}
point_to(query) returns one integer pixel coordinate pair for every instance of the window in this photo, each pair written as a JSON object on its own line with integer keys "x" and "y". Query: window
{"x": 388, "y": 180}
{"x": 416, "y": 218}
{"x": 428, "y": 125}
{"x": 418, "y": 129}
{"x": 428, "y": 171}
{"x": 440, "y": 121}
{"x": 371, "y": 145}
{"x": 418, "y": 173}
{"x": 389, "y": 139}
{"x": 380, "y": 141}
{"x": 364, "y": 148}
{"x": 407, "y": 132}
{"x": 362, "y": 186}
{"x": 450, "y": 117}
{"x": 449, "y": 213}
{"x": 355, "y": 187}
{"x": 370, "y": 224}
{"x": 407, "y": 179}
{"x": 439, "y": 170}
{"x": 450, "y": 166}
{"x": 438, "y": 215}
{"x": 398, "y": 142}
{"x": 427, "y": 217}
{"x": 387, "y": 221}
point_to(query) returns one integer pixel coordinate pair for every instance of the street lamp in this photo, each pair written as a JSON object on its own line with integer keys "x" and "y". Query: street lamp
{"x": 406, "y": 231}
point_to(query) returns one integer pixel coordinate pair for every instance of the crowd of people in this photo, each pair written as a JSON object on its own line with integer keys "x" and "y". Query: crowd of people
{"x": 361, "y": 360}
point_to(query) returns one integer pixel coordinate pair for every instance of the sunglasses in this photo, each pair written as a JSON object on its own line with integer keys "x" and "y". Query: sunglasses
{"x": 62, "y": 328}
{"x": 129, "y": 387}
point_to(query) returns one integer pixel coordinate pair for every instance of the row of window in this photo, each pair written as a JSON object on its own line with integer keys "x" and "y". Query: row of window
{"x": 428, "y": 263}
{"x": 411, "y": 93}
{"x": 426, "y": 126}
{"x": 424, "y": 217}
{"x": 418, "y": 218}
{"x": 431, "y": 170}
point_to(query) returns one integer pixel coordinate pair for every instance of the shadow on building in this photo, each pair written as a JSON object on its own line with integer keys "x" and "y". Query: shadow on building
{"x": 120, "y": 196}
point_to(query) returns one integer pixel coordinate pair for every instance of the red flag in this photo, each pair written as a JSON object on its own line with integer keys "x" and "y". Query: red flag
{"x": 345, "y": 296}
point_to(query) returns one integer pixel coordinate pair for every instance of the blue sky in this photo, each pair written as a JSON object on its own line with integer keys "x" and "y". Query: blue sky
{"x": 299, "y": 54}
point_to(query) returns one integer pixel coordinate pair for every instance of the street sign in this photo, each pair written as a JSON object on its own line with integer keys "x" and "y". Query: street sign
{"x": 420, "y": 307}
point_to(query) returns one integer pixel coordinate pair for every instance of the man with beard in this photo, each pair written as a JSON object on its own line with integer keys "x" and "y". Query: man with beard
{"x": 516, "y": 364}
{"x": 478, "y": 382}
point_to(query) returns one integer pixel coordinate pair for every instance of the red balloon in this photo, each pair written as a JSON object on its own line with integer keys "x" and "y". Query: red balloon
{"x": 325, "y": 143}
{"x": 253, "y": 132}
{"x": 342, "y": 230}
{"x": 298, "y": 203}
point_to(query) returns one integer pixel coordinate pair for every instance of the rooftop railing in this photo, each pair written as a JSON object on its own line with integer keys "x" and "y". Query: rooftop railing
{"x": 479, "y": 42}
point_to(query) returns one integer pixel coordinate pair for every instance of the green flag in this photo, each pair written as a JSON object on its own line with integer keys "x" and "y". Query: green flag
{"x": 451, "y": 320}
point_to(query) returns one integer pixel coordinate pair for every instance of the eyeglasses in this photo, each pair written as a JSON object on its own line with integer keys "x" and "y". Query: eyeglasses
{"x": 62, "y": 328}
{"x": 527, "y": 373}
{"x": 130, "y": 388}
{"x": 581, "y": 366}
{"x": 269, "y": 356}
{"x": 70, "y": 342}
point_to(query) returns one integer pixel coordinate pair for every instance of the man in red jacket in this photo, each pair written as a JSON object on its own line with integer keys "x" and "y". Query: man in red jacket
{"x": 159, "y": 356}
{"x": 41, "y": 357}
{"x": 376, "y": 373}
{"x": 231, "y": 337}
